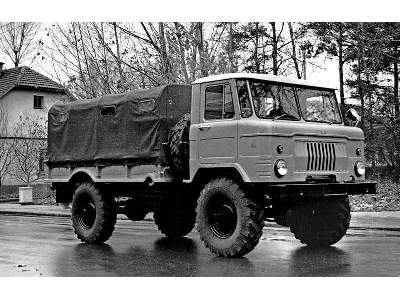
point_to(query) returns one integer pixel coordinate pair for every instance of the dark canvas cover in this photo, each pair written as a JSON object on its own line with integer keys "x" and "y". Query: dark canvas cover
{"x": 128, "y": 127}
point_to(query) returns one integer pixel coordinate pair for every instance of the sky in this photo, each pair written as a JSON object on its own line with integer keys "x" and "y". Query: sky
{"x": 209, "y": 11}
{"x": 326, "y": 72}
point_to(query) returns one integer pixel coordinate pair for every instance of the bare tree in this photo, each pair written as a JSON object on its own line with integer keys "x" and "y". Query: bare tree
{"x": 30, "y": 141}
{"x": 178, "y": 33}
{"x": 200, "y": 46}
{"x": 231, "y": 56}
{"x": 294, "y": 51}
{"x": 6, "y": 146}
{"x": 16, "y": 40}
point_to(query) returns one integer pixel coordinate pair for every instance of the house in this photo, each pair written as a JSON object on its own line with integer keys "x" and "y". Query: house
{"x": 25, "y": 92}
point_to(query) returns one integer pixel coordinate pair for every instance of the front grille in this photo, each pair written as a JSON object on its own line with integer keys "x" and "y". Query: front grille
{"x": 321, "y": 156}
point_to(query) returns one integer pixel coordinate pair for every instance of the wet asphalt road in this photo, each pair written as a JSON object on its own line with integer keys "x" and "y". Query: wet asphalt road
{"x": 46, "y": 246}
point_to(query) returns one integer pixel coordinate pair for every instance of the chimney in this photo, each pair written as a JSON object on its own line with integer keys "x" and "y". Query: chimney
{"x": 1, "y": 67}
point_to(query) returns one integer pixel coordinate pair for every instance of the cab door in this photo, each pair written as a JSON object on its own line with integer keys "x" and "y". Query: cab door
{"x": 217, "y": 129}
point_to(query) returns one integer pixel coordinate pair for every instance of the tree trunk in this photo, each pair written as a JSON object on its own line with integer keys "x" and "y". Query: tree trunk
{"x": 372, "y": 143}
{"x": 164, "y": 56}
{"x": 396, "y": 84}
{"x": 360, "y": 66}
{"x": 193, "y": 60}
{"x": 341, "y": 77}
{"x": 294, "y": 54}
{"x": 274, "y": 50}
{"x": 304, "y": 62}
{"x": 88, "y": 70}
{"x": 256, "y": 60}
{"x": 105, "y": 63}
{"x": 119, "y": 64}
{"x": 181, "y": 51}
{"x": 230, "y": 49}
{"x": 80, "y": 68}
{"x": 16, "y": 60}
{"x": 200, "y": 47}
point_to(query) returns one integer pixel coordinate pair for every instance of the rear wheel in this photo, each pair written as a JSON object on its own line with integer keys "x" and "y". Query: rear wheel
{"x": 321, "y": 223}
{"x": 93, "y": 214}
{"x": 134, "y": 211}
{"x": 176, "y": 215}
{"x": 229, "y": 223}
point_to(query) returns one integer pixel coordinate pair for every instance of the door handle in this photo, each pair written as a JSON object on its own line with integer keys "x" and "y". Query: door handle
{"x": 204, "y": 127}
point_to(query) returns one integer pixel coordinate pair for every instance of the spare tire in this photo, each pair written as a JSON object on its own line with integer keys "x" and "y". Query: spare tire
{"x": 178, "y": 147}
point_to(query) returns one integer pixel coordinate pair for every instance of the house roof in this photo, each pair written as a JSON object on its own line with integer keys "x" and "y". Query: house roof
{"x": 266, "y": 77}
{"x": 25, "y": 77}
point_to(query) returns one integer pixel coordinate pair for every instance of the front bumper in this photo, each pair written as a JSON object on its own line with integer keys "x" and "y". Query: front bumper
{"x": 318, "y": 190}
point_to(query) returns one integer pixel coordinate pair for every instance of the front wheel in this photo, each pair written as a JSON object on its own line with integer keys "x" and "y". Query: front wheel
{"x": 320, "y": 223}
{"x": 93, "y": 214}
{"x": 229, "y": 223}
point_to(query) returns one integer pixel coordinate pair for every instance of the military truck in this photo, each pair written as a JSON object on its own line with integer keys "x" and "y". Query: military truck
{"x": 228, "y": 152}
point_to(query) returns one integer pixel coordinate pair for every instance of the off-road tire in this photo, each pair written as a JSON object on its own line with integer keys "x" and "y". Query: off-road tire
{"x": 178, "y": 147}
{"x": 176, "y": 216}
{"x": 134, "y": 211}
{"x": 104, "y": 218}
{"x": 136, "y": 216}
{"x": 249, "y": 215}
{"x": 320, "y": 223}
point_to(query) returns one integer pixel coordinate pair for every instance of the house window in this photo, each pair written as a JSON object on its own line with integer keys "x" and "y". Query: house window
{"x": 37, "y": 102}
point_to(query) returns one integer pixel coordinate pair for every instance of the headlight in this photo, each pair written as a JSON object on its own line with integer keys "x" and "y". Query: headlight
{"x": 280, "y": 168}
{"x": 359, "y": 168}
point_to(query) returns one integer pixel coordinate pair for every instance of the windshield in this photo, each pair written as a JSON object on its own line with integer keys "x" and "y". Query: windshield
{"x": 272, "y": 101}
{"x": 318, "y": 105}
{"x": 278, "y": 101}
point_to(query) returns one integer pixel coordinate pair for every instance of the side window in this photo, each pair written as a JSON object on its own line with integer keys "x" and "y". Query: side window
{"x": 146, "y": 105}
{"x": 219, "y": 103}
{"x": 214, "y": 102}
{"x": 229, "y": 110}
{"x": 244, "y": 99}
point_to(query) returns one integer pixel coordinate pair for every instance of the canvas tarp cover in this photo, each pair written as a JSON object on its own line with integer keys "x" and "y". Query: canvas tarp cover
{"x": 121, "y": 127}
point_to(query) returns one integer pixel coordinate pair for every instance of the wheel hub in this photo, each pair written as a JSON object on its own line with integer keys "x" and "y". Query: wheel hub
{"x": 222, "y": 217}
{"x": 88, "y": 215}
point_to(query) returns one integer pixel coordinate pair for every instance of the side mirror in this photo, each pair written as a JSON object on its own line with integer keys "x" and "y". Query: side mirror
{"x": 353, "y": 116}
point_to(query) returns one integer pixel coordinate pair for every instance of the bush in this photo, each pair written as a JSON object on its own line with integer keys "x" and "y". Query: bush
{"x": 41, "y": 193}
{"x": 386, "y": 199}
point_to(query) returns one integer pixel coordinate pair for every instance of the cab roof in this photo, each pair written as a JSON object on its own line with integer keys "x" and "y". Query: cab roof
{"x": 266, "y": 77}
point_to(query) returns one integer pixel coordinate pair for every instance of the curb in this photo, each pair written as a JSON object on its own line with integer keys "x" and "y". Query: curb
{"x": 26, "y": 213}
{"x": 376, "y": 228}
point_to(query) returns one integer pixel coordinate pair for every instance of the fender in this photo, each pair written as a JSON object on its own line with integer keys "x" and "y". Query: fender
{"x": 197, "y": 168}
{"x": 79, "y": 171}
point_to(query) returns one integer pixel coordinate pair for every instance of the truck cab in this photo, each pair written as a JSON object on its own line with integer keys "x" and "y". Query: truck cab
{"x": 258, "y": 123}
